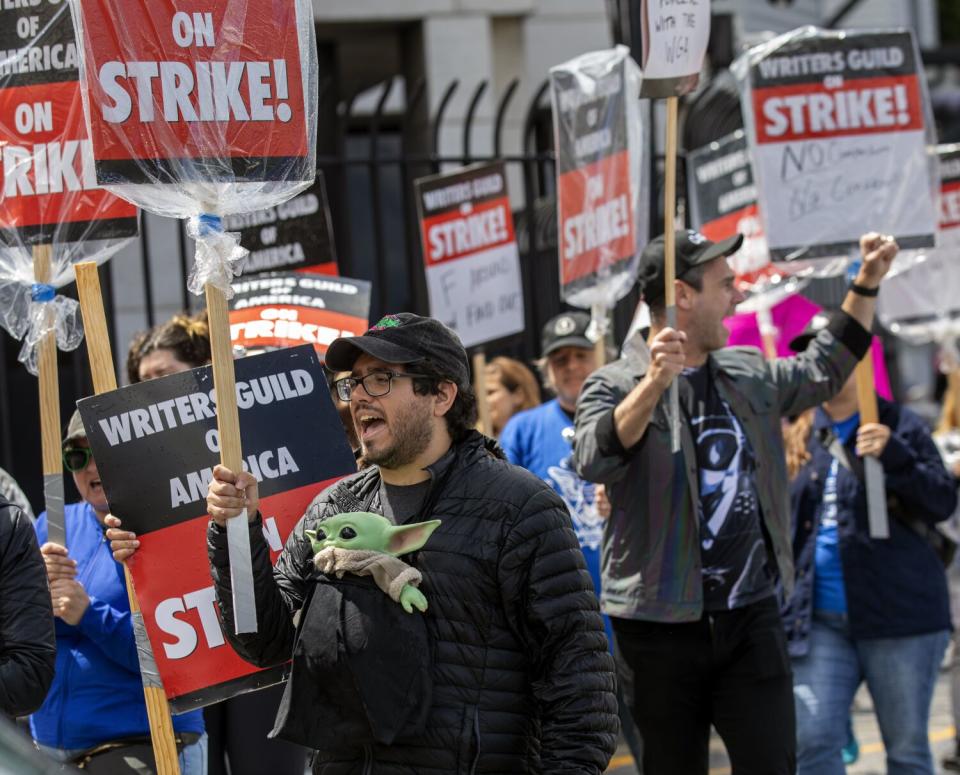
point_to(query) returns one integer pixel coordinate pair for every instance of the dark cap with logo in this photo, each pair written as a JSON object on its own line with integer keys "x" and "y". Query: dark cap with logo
{"x": 692, "y": 249}
{"x": 404, "y": 338}
{"x": 75, "y": 429}
{"x": 568, "y": 329}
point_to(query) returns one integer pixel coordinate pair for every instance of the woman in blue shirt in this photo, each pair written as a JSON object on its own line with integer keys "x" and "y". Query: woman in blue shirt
{"x": 97, "y": 692}
{"x": 865, "y": 609}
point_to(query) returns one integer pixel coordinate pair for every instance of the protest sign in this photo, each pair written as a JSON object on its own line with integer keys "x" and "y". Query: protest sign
{"x": 838, "y": 126}
{"x": 212, "y": 88}
{"x": 155, "y": 444}
{"x": 675, "y": 38}
{"x": 470, "y": 252}
{"x": 284, "y": 309}
{"x": 202, "y": 110}
{"x": 293, "y": 235}
{"x": 598, "y": 134}
{"x": 50, "y": 192}
{"x": 723, "y": 202}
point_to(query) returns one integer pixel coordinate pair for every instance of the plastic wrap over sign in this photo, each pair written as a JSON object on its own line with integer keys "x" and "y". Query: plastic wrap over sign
{"x": 49, "y": 194}
{"x": 200, "y": 106}
{"x": 598, "y": 129}
{"x": 922, "y": 304}
{"x": 838, "y": 126}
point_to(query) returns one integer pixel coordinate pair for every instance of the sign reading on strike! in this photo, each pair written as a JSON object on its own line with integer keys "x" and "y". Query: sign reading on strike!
{"x": 209, "y": 81}
{"x": 49, "y": 186}
{"x": 297, "y": 234}
{"x": 597, "y": 232}
{"x": 156, "y": 445}
{"x": 675, "y": 38}
{"x": 837, "y": 130}
{"x": 723, "y": 202}
{"x": 470, "y": 253}
{"x": 283, "y": 309}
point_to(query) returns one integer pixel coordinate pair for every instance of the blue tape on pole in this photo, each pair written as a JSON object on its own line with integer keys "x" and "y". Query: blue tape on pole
{"x": 42, "y": 292}
{"x": 210, "y": 224}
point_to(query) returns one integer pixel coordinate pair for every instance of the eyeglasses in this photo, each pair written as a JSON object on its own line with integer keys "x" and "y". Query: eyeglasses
{"x": 75, "y": 459}
{"x": 376, "y": 383}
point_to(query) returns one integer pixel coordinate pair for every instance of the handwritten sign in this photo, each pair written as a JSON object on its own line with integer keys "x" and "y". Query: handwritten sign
{"x": 723, "y": 202}
{"x": 836, "y": 126}
{"x": 49, "y": 188}
{"x": 675, "y": 38}
{"x": 284, "y": 309}
{"x": 470, "y": 253}
{"x": 297, "y": 234}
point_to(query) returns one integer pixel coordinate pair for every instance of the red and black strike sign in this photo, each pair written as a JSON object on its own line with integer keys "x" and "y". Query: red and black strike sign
{"x": 214, "y": 82}
{"x": 284, "y": 309}
{"x": 723, "y": 202}
{"x": 156, "y": 444}
{"x": 596, "y": 220}
{"x": 949, "y": 157}
{"x": 837, "y": 131}
{"x": 49, "y": 188}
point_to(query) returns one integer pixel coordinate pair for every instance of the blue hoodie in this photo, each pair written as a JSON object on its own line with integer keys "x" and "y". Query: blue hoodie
{"x": 97, "y": 694}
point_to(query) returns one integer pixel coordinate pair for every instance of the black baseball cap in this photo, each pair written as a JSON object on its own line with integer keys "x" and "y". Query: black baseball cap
{"x": 692, "y": 249}
{"x": 819, "y": 322}
{"x": 404, "y": 338}
{"x": 568, "y": 329}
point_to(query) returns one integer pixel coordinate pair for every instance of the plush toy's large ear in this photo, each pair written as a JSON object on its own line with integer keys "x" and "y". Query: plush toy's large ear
{"x": 403, "y": 539}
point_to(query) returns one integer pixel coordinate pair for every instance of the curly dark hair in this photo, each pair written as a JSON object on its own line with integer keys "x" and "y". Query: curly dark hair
{"x": 462, "y": 416}
{"x": 188, "y": 337}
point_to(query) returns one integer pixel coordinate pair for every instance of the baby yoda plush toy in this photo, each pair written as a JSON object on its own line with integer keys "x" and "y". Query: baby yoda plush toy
{"x": 367, "y": 544}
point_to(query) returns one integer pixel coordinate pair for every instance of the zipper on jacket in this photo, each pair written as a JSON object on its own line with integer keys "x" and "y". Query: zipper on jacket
{"x": 368, "y": 760}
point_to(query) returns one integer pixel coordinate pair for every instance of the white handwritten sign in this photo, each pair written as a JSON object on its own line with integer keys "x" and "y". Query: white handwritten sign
{"x": 470, "y": 253}
{"x": 837, "y": 130}
{"x": 675, "y": 37}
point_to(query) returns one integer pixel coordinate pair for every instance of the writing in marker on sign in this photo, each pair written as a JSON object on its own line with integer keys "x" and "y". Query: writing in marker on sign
{"x": 201, "y": 91}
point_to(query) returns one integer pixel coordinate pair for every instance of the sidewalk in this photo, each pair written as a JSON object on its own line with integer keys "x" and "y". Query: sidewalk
{"x": 871, "y": 760}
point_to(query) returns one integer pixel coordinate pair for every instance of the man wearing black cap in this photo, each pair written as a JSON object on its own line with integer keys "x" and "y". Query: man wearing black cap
{"x": 521, "y": 678}
{"x": 697, "y": 541}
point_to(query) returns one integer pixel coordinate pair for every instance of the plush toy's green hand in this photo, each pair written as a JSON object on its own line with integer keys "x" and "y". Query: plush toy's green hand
{"x": 411, "y": 597}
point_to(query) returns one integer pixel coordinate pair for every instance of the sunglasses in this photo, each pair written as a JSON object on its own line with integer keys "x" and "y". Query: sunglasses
{"x": 75, "y": 459}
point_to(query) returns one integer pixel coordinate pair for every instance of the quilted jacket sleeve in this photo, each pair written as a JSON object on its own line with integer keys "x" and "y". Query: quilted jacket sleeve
{"x": 280, "y": 591}
{"x": 27, "y": 642}
{"x": 549, "y": 598}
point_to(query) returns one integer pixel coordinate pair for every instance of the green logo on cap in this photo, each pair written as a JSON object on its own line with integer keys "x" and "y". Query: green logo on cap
{"x": 389, "y": 321}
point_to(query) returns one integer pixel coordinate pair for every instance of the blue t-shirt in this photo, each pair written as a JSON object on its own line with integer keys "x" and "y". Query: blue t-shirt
{"x": 828, "y": 589}
{"x": 541, "y": 440}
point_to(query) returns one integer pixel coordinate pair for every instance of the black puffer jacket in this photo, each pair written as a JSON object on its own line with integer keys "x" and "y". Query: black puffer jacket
{"x": 28, "y": 646}
{"x": 522, "y": 679}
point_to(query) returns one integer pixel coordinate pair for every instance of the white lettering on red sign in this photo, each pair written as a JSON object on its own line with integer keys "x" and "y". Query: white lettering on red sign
{"x": 800, "y": 114}
{"x": 596, "y": 227}
{"x": 468, "y": 235}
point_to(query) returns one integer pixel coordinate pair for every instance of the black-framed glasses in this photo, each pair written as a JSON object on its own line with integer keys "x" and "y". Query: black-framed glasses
{"x": 376, "y": 383}
{"x": 75, "y": 459}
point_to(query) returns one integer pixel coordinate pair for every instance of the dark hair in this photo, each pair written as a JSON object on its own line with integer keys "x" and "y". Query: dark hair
{"x": 692, "y": 277}
{"x": 188, "y": 337}
{"x": 462, "y": 416}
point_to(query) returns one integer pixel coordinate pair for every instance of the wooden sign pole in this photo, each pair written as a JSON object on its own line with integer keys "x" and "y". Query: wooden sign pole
{"x": 669, "y": 254}
{"x": 104, "y": 381}
{"x": 49, "y": 407}
{"x": 228, "y": 427}
{"x": 480, "y": 388}
{"x": 877, "y": 518}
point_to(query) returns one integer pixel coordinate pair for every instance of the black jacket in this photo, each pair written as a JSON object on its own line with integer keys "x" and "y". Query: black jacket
{"x": 522, "y": 681}
{"x": 28, "y": 647}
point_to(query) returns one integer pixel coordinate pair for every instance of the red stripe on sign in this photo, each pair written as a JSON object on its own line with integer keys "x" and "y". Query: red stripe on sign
{"x": 288, "y": 326}
{"x": 471, "y": 229}
{"x": 171, "y": 573}
{"x": 47, "y": 173}
{"x": 950, "y": 205}
{"x": 596, "y": 226}
{"x": 811, "y": 111}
